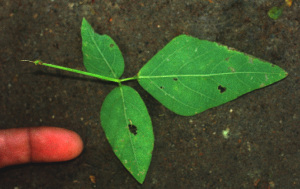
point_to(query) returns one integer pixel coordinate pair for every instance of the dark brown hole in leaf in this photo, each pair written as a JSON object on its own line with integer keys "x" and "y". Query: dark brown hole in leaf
{"x": 111, "y": 45}
{"x": 161, "y": 87}
{"x": 221, "y": 88}
{"x": 132, "y": 129}
{"x": 227, "y": 58}
{"x": 175, "y": 79}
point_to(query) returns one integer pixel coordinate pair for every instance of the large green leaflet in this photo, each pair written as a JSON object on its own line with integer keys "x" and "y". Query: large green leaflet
{"x": 127, "y": 126}
{"x": 101, "y": 55}
{"x": 190, "y": 75}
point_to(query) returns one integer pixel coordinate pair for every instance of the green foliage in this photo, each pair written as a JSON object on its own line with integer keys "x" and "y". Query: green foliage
{"x": 101, "y": 55}
{"x": 127, "y": 126}
{"x": 187, "y": 76}
{"x": 190, "y": 75}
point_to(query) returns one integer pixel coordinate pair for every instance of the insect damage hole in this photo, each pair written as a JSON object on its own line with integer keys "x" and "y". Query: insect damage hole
{"x": 132, "y": 128}
{"x": 221, "y": 89}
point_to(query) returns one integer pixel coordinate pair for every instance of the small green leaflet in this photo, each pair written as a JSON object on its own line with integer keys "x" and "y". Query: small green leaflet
{"x": 128, "y": 128}
{"x": 189, "y": 75}
{"x": 101, "y": 55}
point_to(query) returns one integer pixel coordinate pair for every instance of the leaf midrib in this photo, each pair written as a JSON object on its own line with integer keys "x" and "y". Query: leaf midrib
{"x": 201, "y": 75}
{"x": 106, "y": 62}
{"x": 129, "y": 134}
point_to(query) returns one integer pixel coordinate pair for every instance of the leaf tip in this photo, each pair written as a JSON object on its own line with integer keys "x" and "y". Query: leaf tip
{"x": 141, "y": 181}
{"x": 85, "y": 23}
{"x": 84, "y": 20}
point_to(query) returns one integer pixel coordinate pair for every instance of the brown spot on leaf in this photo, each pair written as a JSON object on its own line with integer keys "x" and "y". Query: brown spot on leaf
{"x": 251, "y": 60}
{"x": 231, "y": 69}
{"x": 266, "y": 76}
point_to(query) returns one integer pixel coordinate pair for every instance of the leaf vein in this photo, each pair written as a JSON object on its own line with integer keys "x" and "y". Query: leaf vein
{"x": 92, "y": 35}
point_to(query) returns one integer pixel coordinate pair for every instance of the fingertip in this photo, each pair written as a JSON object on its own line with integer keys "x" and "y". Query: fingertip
{"x": 52, "y": 144}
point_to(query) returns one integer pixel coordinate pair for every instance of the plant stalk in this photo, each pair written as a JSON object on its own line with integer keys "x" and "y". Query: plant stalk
{"x": 39, "y": 62}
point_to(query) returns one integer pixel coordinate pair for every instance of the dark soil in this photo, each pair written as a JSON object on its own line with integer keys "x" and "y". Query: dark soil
{"x": 263, "y": 148}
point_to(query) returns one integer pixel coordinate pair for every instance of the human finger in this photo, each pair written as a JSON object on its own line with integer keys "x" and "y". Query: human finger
{"x": 38, "y": 144}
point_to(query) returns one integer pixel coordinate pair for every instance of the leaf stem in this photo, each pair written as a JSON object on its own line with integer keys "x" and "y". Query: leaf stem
{"x": 39, "y": 62}
{"x": 128, "y": 79}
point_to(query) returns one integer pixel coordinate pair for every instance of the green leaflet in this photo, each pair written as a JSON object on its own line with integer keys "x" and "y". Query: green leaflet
{"x": 128, "y": 128}
{"x": 101, "y": 55}
{"x": 190, "y": 75}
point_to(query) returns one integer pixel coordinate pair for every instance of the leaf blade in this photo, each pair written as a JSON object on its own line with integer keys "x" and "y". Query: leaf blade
{"x": 190, "y": 75}
{"x": 128, "y": 128}
{"x": 101, "y": 55}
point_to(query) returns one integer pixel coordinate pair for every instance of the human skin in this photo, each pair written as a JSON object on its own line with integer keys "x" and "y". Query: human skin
{"x": 38, "y": 144}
